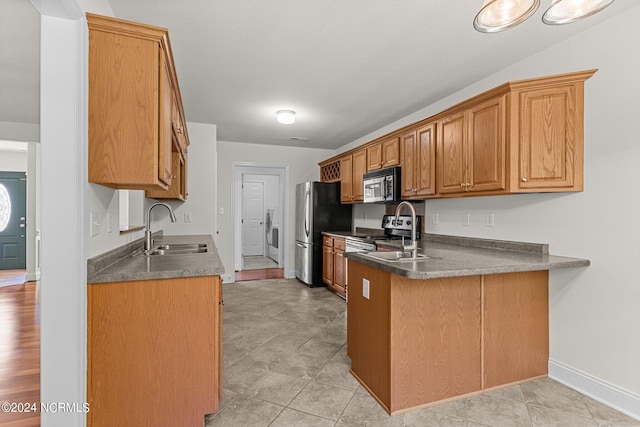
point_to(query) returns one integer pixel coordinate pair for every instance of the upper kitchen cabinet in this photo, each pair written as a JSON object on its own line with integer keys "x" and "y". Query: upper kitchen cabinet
{"x": 136, "y": 117}
{"x": 352, "y": 170}
{"x": 522, "y": 136}
{"x": 471, "y": 149}
{"x": 418, "y": 148}
{"x": 383, "y": 154}
{"x": 548, "y": 134}
{"x": 178, "y": 188}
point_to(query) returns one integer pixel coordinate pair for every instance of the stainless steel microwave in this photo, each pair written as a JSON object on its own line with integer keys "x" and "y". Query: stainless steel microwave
{"x": 382, "y": 186}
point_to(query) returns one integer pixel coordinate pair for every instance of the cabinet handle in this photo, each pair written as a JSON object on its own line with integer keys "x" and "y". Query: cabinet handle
{"x": 524, "y": 179}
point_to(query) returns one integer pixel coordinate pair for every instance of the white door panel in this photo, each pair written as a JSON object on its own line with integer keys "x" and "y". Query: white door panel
{"x": 253, "y": 219}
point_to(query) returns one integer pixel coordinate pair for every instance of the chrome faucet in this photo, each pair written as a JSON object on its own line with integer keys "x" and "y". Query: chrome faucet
{"x": 414, "y": 244}
{"x": 148, "y": 241}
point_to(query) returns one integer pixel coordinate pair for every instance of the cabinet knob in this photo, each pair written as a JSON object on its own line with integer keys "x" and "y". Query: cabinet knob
{"x": 524, "y": 179}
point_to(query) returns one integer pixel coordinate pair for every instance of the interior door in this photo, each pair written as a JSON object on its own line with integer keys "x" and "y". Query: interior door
{"x": 253, "y": 219}
{"x": 13, "y": 223}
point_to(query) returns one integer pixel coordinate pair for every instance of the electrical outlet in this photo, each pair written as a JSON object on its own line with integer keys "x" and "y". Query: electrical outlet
{"x": 434, "y": 218}
{"x": 109, "y": 222}
{"x": 465, "y": 219}
{"x": 365, "y": 288}
{"x": 221, "y": 210}
{"x": 489, "y": 219}
{"x": 95, "y": 225}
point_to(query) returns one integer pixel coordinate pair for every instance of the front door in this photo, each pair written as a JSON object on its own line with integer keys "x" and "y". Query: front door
{"x": 253, "y": 219}
{"x": 13, "y": 220}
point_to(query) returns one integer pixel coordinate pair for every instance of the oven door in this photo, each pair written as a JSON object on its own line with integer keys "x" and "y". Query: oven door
{"x": 375, "y": 190}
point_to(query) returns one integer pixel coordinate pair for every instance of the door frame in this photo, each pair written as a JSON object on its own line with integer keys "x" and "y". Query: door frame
{"x": 237, "y": 170}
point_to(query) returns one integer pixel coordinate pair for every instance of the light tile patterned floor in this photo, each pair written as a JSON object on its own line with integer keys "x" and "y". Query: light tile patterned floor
{"x": 285, "y": 364}
{"x": 258, "y": 262}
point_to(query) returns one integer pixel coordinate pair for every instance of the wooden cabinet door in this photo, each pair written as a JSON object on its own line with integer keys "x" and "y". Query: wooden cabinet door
{"x": 550, "y": 136}
{"x": 166, "y": 125}
{"x": 346, "y": 179}
{"x": 425, "y": 170}
{"x": 487, "y": 146}
{"x": 359, "y": 169}
{"x": 452, "y": 154}
{"x": 327, "y": 264}
{"x": 339, "y": 279}
{"x": 390, "y": 152}
{"x": 178, "y": 188}
{"x": 374, "y": 157}
{"x": 409, "y": 165}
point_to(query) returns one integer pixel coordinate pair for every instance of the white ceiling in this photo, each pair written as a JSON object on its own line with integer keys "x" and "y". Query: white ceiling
{"x": 347, "y": 67}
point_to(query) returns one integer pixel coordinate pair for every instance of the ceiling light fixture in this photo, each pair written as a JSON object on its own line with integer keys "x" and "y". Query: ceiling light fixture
{"x": 498, "y": 15}
{"x": 286, "y": 117}
{"x": 568, "y": 11}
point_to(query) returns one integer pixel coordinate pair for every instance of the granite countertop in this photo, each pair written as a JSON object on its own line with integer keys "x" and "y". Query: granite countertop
{"x": 451, "y": 256}
{"x": 126, "y": 263}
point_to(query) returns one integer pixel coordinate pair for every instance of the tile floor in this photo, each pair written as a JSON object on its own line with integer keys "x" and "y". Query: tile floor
{"x": 285, "y": 364}
{"x": 257, "y": 262}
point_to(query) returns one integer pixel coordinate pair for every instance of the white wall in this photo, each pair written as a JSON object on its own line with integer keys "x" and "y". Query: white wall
{"x": 303, "y": 166}
{"x": 594, "y": 311}
{"x": 13, "y": 161}
{"x": 201, "y": 187}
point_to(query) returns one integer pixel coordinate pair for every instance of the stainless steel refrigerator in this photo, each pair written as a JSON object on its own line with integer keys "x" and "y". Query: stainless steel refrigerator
{"x": 318, "y": 209}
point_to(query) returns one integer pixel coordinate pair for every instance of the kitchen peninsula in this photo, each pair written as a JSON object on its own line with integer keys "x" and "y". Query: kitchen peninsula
{"x": 154, "y": 333}
{"x": 469, "y": 316}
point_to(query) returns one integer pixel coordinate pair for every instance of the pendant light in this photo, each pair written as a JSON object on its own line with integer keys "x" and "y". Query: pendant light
{"x": 567, "y": 11}
{"x": 498, "y": 15}
{"x": 286, "y": 117}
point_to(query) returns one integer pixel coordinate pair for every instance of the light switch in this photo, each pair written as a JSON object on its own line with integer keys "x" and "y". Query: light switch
{"x": 221, "y": 211}
{"x": 365, "y": 288}
{"x": 187, "y": 217}
{"x": 95, "y": 225}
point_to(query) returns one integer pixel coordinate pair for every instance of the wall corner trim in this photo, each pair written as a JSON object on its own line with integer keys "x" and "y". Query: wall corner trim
{"x": 602, "y": 391}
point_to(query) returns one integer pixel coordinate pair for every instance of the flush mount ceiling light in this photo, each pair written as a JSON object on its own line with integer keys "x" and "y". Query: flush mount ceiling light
{"x": 498, "y": 15}
{"x": 286, "y": 117}
{"x": 567, "y": 11}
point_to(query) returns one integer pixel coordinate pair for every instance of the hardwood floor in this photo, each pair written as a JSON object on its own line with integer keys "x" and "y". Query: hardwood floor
{"x": 20, "y": 352}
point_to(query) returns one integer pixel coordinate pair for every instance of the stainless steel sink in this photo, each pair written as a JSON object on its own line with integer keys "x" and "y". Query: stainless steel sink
{"x": 396, "y": 256}
{"x": 182, "y": 246}
{"x": 178, "y": 249}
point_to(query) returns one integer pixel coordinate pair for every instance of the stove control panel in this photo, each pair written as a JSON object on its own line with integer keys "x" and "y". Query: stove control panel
{"x": 402, "y": 227}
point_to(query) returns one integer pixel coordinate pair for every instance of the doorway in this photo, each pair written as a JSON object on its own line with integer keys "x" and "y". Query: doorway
{"x": 259, "y": 196}
{"x": 13, "y": 221}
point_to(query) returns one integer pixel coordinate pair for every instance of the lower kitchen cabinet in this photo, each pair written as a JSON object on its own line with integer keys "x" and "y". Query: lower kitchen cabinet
{"x": 154, "y": 351}
{"x": 458, "y": 335}
{"x": 334, "y": 265}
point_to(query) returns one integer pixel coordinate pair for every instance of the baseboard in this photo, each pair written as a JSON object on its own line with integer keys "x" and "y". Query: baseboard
{"x": 32, "y": 277}
{"x": 289, "y": 274}
{"x": 602, "y": 391}
{"x": 228, "y": 278}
